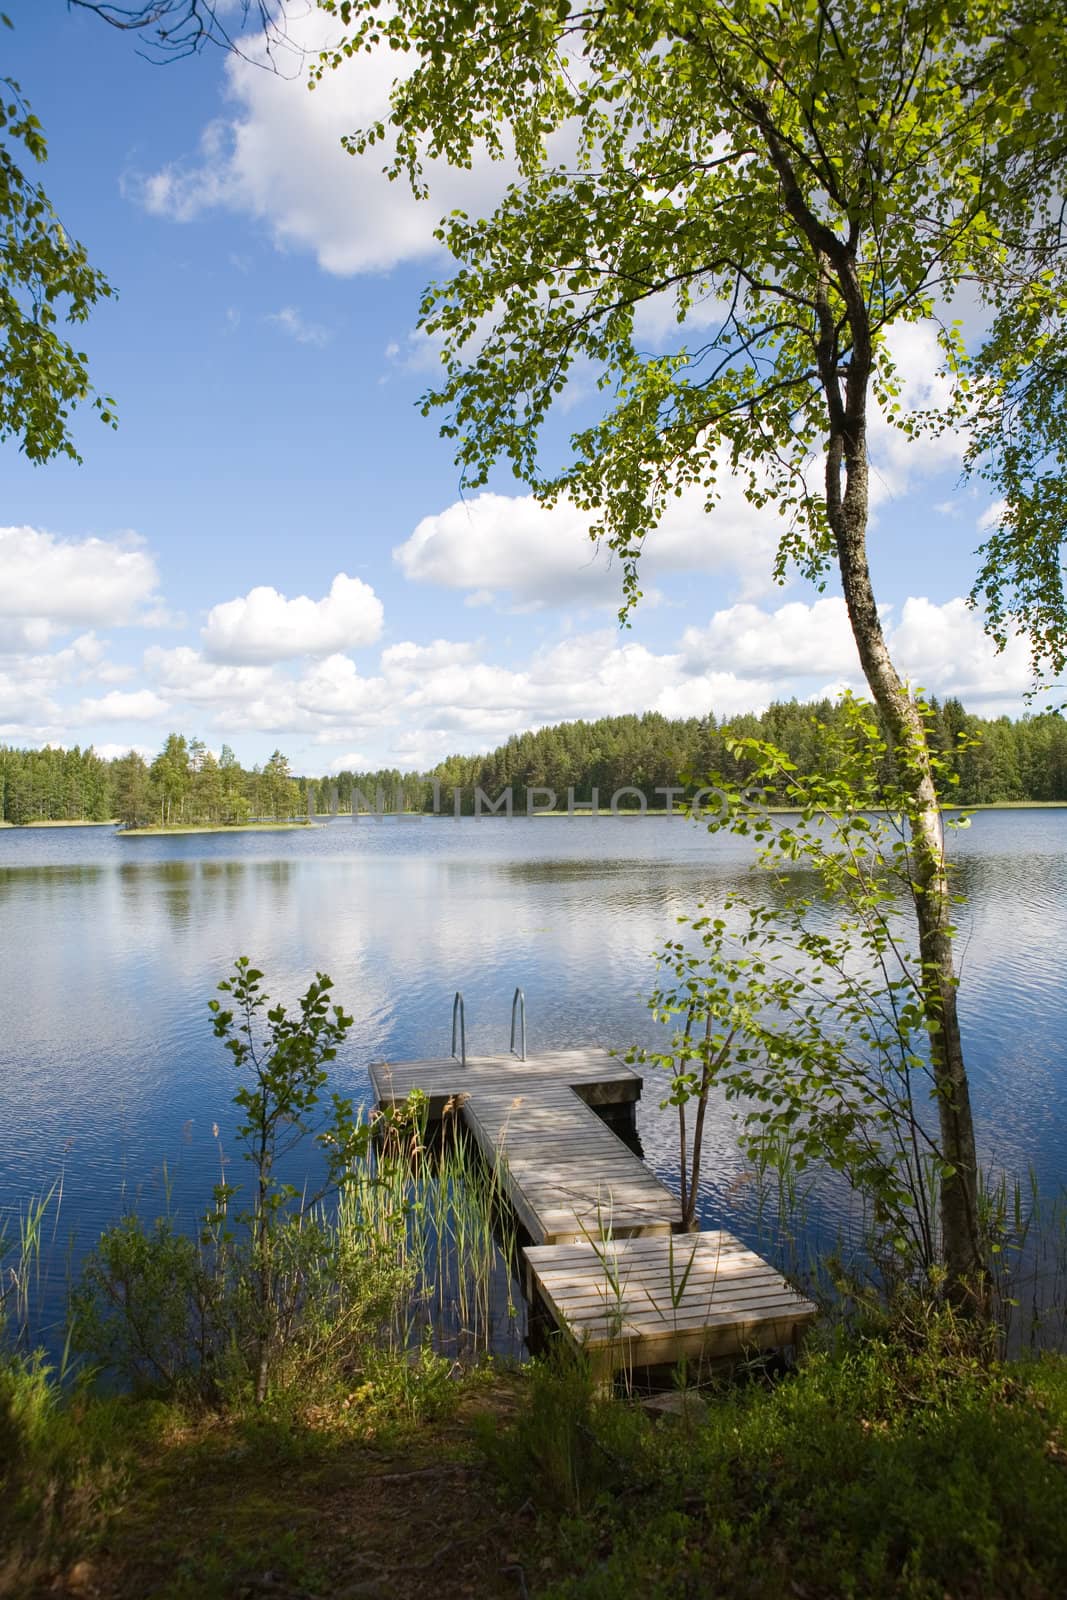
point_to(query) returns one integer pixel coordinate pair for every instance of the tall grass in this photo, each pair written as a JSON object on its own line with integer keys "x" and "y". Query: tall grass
{"x": 437, "y": 1212}
{"x": 26, "y": 1248}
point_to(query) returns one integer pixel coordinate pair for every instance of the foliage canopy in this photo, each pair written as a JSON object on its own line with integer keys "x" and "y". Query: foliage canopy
{"x": 796, "y": 177}
{"x": 42, "y": 270}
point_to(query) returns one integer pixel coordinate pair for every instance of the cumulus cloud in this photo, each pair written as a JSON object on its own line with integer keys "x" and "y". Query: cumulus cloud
{"x": 351, "y": 761}
{"x": 992, "y": 516}
{"x": 277, "y": 157}
{"x": 656, "y": 318}
{"x": 409, "y": 660}
{"x": 51, "y": 585}
{"x": 939, "y": 648}
{"x": 267, "y": 697}
{"x": 264, "y": 626}
{"x": 421, "y": 701}
{"x": 897, "y": 459}
{"x": 428, "y": 699}
{"x": 23, "y": 704}
{"x": 18, "y": 634}
{"x": 108, "y": 750}
{"x": 944, "y": 650}
{"x": 32, "y": 684}
{"x": 134, "y": 705}
{"x": 811, "y": 639}
{"x": 183, "y": 672}
{"x": 509, "y": 548}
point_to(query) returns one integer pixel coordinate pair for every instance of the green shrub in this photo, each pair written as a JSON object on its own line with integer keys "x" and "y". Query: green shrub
{"x": 884, "y": 1469}
{"x": 147, "y": 1310}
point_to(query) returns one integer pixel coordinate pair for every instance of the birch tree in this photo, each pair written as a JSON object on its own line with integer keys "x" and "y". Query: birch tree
{"x": 45, "y": 275}
{"x": 807, "y": 174}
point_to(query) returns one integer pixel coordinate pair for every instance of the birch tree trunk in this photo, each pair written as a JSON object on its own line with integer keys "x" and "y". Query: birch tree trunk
{"x": 847, "y": 501}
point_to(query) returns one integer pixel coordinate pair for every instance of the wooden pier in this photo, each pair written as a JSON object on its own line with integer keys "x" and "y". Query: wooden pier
{"x": 606, "y": 1258}
{"x": 632, "y": 1303}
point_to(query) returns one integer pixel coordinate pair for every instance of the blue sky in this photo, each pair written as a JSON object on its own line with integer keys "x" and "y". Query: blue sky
{"x": 272, "y": 550}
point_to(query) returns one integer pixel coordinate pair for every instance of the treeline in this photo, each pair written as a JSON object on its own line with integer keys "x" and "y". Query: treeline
{"x": 185, "y": 784}
{"x": 994, "y": 759}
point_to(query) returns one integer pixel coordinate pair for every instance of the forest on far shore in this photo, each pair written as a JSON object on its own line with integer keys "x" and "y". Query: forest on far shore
{"x": 994, "y": 759}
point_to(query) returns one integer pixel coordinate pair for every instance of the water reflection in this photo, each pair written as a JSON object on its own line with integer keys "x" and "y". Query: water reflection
{"x": 46, "y": 878}
{"x": 110, "y": 950}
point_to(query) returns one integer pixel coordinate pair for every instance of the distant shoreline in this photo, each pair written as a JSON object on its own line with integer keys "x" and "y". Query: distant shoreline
{"x": 445, "y": 816}
{"x": 211, "y": 827}
{"x": 581, "y": 811}
{"x": 62, "y": 822}
{"x": 1010, "y": 805}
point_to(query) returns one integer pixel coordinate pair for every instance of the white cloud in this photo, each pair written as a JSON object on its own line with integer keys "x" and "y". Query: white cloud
{"x": 295, "y": 326}
{"x": 109, "y": 751}
{"x": 278, "y": 158}
{"x": 23, "y": 703}
{"x": 31, "y": 682}
{"x": 423, "y": 701}
{"x": 336, "y": 690}
{"x": 18, "y": 634}
{"x": 419, "y": 356}
{"x": 811, "y": 639}
{"x": 51, "y": 585}
{"x": 898, "y": 460}
{"x": 940, "y": 648}
{"x": 944, "y": 650}
{"x": 264, "y": 626}
{"x": 430, "y": 699}
{"x": 409, "y": 660}
{"x": 504, "y": 547}
{"x": 656, "y": 318}
{"x": 351, "y": 761}
{"x": 113, "y": 672}
{"x": 135, "y": 705}
{"x": 184, "y": 673}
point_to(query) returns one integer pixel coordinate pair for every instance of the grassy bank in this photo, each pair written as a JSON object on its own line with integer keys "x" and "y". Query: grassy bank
{"x": 876, "y": 1470}
{"x": 1013, "y": 805}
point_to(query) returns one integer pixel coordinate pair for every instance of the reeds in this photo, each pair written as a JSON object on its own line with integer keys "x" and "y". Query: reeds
{"x": 438, "y": 1215}
{"x": 24, "y": 1269}
{"x": 1024, "y": 1233}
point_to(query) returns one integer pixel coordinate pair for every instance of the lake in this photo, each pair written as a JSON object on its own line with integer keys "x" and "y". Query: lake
{"x": 112, "y": 1082}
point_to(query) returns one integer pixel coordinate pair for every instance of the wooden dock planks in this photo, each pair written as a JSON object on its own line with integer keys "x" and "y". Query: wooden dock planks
{"x": 654, "y": 1301}
{"x": 595, "y": 1076}
{"x": 567, "y": 1175}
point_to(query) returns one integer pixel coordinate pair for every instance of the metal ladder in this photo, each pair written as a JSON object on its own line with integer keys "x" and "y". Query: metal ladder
{"x": 459, "y": 1026}
{"x": 518, "y": 1000}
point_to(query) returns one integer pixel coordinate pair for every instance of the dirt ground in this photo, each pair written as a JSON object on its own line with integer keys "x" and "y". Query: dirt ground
{"x": 312, "y": 1512}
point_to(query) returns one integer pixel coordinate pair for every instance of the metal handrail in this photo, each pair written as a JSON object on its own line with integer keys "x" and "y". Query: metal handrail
{"x": 457, "y": 1011}
{"x": 518, "y": 999}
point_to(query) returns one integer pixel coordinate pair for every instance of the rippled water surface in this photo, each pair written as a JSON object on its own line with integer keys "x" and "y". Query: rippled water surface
{"x": 110, "y": 949}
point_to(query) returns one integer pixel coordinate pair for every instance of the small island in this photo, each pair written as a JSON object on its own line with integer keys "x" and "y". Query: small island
{"x": 146, "y": 830}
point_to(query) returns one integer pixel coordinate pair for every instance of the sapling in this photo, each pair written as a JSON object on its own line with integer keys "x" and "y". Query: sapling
{"x": 286, "y": 1057}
